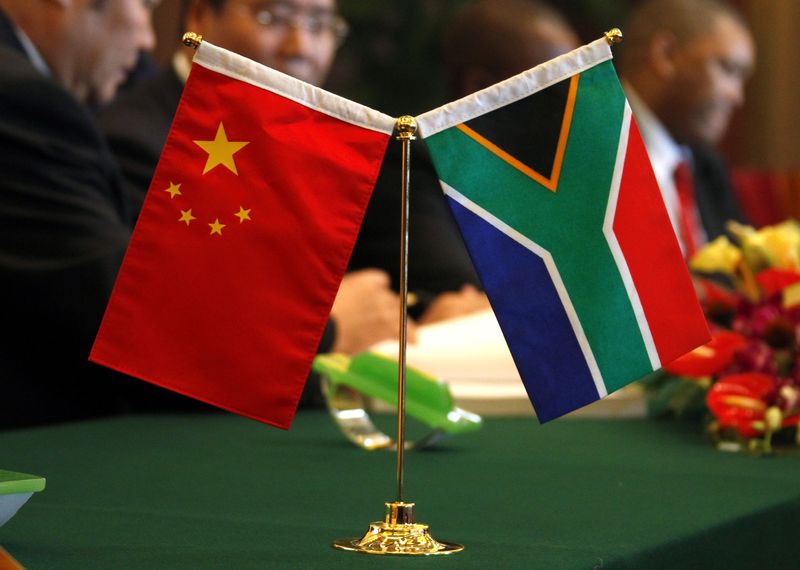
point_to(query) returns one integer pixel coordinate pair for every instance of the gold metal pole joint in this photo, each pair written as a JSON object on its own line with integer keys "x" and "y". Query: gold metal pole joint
{"x": 614, "y": 36}
{"x": 406, "y": 128}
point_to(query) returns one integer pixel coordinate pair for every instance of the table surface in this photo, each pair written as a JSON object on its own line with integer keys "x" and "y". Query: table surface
{"x": 219, "y": 491}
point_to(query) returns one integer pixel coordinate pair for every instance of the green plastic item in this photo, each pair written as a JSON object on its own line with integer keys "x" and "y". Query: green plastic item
{"x": 15, "y": 490}
{"x": 11, "y": 482}
{"x": 428, "y": 399}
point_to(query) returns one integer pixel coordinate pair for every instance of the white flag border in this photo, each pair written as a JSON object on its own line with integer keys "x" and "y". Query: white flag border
{"x": 514, "y": 88}
{"x": 238, "y": 67}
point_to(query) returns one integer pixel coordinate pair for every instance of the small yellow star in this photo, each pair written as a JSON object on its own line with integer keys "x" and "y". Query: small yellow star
{"x": 221, "y": 151}
{"x": 243, "y": 214}
{"x": 216, "y": 227}
{"x": 174, "y": 190}
{"x": 186, "y": 216}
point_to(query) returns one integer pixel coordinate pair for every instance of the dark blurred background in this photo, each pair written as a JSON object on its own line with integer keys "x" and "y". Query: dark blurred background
{"x": 392, "y": 61}
{"x": 392, "y": 58}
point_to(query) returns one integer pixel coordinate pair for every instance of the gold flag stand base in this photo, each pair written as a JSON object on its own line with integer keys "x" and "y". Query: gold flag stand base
{"x": 398, "y": 534}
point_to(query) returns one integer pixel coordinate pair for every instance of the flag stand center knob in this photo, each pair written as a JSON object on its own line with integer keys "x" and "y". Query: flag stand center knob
{"x": 406, "y": 127}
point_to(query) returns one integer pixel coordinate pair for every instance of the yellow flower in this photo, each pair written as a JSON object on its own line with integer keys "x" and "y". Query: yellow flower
{"x": 718, "y": 256}
{"x": 774, "y": 246}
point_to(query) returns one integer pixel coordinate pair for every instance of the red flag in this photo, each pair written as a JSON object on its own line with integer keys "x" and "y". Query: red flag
{"x": 243, "y": 239}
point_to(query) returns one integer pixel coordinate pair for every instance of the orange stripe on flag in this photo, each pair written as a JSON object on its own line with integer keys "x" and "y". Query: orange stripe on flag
{"x": 562, "y": 138}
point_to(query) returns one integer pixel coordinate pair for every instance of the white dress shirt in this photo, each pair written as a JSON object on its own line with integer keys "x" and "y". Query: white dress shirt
{"x": 34, "y": 55}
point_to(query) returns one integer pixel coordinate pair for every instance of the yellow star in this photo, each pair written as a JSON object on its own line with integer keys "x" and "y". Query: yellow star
{"x": 186, "y": 216}
{"x": 174, "y": 190}
{"x": 221, "y": 151}
{"x": 216, "y": 227}
{"x": 243, "y": 214}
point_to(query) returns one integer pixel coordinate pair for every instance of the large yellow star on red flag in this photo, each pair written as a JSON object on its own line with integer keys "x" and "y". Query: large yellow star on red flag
{"x": 221, "y": 150}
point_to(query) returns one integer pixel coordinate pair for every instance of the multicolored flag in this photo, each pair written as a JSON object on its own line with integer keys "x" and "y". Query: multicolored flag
{"x": 548, "y": 179}
{"x": 243, "y": 239}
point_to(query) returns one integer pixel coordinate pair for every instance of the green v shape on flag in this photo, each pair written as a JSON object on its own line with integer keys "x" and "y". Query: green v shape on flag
{"x": 243, "y": 238}
{"x": 549, "y": 181}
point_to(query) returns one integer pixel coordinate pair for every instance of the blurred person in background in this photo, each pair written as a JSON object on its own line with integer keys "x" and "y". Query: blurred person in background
{"x": 64, "y": 217}
{"x": 684, "y": 65}
{"x": 296, "y": 37}
{"x": 491, "y": 40}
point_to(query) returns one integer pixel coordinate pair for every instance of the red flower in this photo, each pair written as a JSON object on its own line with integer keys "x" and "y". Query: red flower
{"x": 719, "y": 304}
{"x": 713, "y": 293}
{"x": 740, "y": 401}
{"x": 737, "y": 401}
{"x": 709, "y": 359}
{"x": 775, "y": 280}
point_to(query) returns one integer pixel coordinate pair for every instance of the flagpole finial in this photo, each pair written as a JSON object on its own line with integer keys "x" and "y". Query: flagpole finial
{"x": 406, "y": 127}
{"x": 614, "y": 36}
{"x": 192, "y": 40}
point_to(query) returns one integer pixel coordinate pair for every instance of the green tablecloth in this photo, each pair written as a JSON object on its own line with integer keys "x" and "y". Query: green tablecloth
{"x": 219, "y": 491}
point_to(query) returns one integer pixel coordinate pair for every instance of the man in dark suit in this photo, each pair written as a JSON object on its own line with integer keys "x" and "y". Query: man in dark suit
{"x": 684, "y": 65}
{"x": 64, "y": 219}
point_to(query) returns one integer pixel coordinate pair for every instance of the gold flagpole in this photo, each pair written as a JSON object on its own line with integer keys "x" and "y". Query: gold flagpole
{"x": 398, "y": 533}
{"x": 406, "y": 127}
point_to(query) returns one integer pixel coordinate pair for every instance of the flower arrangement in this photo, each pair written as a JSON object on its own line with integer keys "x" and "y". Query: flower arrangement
{"x": 748, "y": 376}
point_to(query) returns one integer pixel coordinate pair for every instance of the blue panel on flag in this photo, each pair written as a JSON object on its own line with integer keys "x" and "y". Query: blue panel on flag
{"x": 533, "y": 319}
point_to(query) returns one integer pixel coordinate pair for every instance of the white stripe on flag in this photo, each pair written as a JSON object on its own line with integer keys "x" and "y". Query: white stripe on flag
{"x": 545, "y": 255}
{"x": 514, "y": 88}
{"x": 613, "y": 243}
{"x": 237, "y": 67}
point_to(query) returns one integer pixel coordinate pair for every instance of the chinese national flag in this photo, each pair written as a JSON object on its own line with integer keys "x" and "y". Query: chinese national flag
{"x": 243, "y": 239}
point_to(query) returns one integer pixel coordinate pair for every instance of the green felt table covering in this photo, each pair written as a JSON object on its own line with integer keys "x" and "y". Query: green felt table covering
{"x": 219, "y": 491}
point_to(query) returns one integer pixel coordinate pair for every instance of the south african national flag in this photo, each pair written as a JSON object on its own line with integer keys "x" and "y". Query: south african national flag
{"x": 548, "y": 179}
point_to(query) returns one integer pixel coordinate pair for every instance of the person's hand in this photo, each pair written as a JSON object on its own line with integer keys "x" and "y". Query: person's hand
{"x": 365, "y": 311}
{"x": 455, "y": 304}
